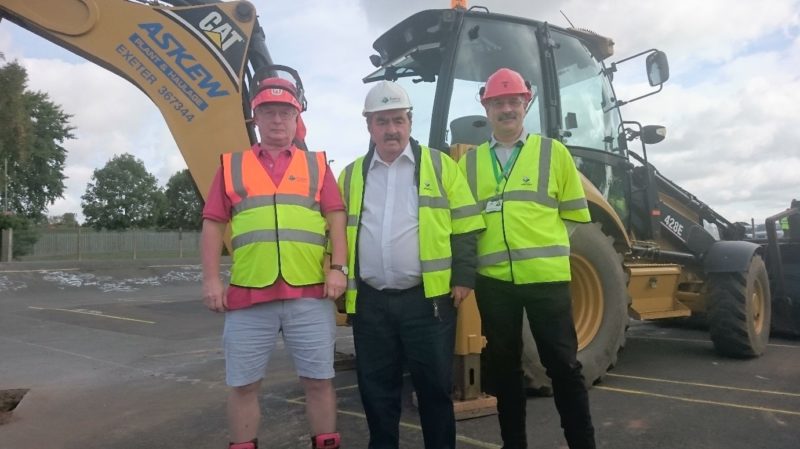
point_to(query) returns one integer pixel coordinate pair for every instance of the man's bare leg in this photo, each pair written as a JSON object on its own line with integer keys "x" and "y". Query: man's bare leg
{"x": 244, "y": 412}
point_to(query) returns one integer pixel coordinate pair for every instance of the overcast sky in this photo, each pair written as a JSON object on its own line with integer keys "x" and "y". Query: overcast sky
{"x": 731, "y": 105}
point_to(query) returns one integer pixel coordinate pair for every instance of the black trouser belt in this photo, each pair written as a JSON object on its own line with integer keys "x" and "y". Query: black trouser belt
{"x": 392, "y": 291}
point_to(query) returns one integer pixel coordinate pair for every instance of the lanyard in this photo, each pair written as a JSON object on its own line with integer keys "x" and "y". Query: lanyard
{"x": 502, "y": 173}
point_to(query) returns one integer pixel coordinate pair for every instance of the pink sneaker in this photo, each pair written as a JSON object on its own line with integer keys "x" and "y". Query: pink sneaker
{"x": 326, "y": 441}
{"x": 248, "y": 445}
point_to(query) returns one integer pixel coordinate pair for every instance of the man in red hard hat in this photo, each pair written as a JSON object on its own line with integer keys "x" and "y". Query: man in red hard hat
{"x": 528, "y": 191}
{"x": 279, "y": 200}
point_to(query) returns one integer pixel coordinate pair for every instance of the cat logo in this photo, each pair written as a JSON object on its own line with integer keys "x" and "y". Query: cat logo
{"x": 226, "y": 37}
{"x": 221, "y": 33}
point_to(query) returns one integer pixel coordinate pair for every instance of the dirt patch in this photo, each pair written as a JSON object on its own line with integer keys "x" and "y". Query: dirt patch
{"x": 9, "y": 399}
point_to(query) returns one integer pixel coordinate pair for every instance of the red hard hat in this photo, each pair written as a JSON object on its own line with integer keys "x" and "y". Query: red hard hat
{"x": 276, "y": 90}
{"x": 505, "y": 82}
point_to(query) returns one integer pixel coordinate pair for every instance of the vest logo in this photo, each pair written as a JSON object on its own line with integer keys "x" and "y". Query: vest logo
{"x": 427, "y": 186}
{"x": 293, "y": 178}
{"x": 526, "y": 181}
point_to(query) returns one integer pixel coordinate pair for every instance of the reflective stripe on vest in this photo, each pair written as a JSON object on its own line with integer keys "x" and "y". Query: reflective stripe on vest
{"x": 437, "y": 221}
{"x": 526, "y": 241}
{"x": 276, "y": 230}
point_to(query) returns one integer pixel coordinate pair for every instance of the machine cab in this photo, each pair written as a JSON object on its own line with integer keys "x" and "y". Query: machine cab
{"x": 443, "y": 57}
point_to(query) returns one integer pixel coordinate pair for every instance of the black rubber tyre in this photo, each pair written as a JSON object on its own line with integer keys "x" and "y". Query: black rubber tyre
{"x": 599, "y": 307}
{"x": 740, "y": 310}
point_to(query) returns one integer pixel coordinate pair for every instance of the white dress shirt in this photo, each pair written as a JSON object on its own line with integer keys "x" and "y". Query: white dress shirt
{"x": 504, "y": 151}
{"x": 388, "y": 240}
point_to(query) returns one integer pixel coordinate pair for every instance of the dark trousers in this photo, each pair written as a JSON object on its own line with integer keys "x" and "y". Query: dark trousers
{"x": 549, "y": 310}
{"x": 393, "y": 328}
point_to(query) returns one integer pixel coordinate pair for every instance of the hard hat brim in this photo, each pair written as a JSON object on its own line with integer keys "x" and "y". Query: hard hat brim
{"x": 366, "y": 113}
{"x": 275, "y": 96}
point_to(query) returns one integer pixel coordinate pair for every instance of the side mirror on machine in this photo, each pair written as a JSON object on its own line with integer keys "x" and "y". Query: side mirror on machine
{"x": 657, "y": 74}
{"x": 653, "y": 134}
{"x": 648, "y": 135}
{"x": 657, "y": 68}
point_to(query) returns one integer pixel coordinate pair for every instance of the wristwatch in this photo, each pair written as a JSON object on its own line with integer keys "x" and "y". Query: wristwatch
{"x": 342, "y": 268}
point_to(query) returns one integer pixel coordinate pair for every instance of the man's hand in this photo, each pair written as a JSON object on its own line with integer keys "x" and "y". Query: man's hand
{"x": 335, "y": 284}
{"x": 214, "y": 296}
{"x": 210, "y": 249}
{"x": 459, "y": 293}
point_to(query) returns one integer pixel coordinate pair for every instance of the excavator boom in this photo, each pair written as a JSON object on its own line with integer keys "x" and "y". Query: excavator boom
{"x": 194, "y": 60}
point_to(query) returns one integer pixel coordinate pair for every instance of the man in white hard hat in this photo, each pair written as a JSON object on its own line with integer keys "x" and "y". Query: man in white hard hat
{"x": 411, "y": 229}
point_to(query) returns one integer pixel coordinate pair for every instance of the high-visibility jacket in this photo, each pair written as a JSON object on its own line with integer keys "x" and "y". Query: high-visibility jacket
{"x": 276, "y": 229}
{"x": 526, "y": 240}
{"x": 445, "y": 208}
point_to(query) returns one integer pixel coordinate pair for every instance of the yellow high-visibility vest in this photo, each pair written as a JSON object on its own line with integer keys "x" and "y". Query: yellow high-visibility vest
{"x": 445, "y": 208}
{"x": 276, "y": 229}
{"x": 526, "y": 240}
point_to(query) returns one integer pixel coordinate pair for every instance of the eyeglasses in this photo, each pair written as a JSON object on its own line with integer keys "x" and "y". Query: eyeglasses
{"x": 500, "y": 103}
{"x": 283, "y": 114}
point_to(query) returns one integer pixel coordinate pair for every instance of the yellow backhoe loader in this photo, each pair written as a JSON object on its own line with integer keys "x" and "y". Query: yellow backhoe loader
{"x": 647, "y": 255}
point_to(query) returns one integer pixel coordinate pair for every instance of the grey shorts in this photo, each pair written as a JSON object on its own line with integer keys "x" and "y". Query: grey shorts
{"x": 308, "y": 327}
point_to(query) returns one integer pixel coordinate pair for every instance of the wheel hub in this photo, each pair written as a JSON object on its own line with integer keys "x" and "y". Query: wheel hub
{"x": 757, "y": 300}
{"x": 587, "y": 300}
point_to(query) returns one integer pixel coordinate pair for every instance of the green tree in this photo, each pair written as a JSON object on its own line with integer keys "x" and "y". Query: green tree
{"x": 184, "y": 207}
{"x": 32, "y": 132}
{"x": 25, "y": 234}
{"x": 122, "y": 195}
{"x": 67, "y": 220}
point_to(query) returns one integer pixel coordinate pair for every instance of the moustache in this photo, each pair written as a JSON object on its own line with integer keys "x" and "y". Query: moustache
{"x": 507, "y": 115}
{"x": 388, "y": 137}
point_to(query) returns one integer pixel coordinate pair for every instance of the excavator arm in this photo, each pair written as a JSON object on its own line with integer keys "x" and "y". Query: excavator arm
{"x": 194, "y": 60}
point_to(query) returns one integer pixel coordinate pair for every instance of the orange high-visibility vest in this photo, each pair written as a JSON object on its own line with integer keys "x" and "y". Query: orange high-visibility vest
{"x": 276, "y": 229}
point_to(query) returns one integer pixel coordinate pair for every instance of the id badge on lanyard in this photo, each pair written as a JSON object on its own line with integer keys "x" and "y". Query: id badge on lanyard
{"x": 494, "y": 205}
{"x": 501, "y": 175}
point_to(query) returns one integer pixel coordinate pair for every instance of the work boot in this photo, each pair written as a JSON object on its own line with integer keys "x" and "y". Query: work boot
{"x": 325, "y": 441}
{"x": 253, "y": 444}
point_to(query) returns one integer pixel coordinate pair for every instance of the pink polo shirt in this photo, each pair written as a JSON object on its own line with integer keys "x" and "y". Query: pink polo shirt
{"x": 218, "y": 208}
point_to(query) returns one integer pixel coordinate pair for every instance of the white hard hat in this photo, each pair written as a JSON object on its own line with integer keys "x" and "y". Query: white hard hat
{"x": 386, "y": 95}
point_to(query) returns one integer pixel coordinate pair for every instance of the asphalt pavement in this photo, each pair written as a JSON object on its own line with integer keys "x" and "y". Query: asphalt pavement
{"x": 124, "y": 355}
